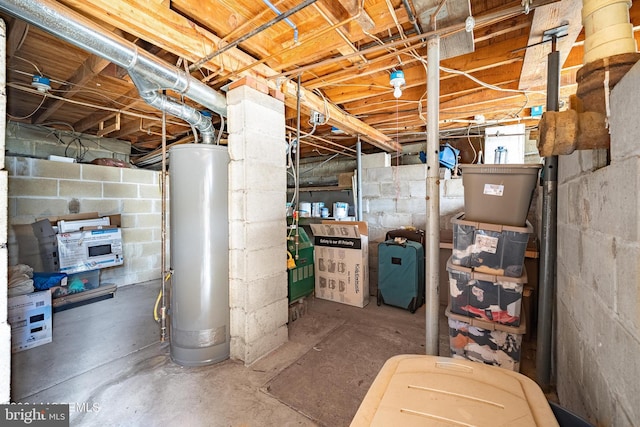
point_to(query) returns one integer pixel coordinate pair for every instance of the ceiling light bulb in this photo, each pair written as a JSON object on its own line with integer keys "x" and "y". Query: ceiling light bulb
{"x": 469, "y": 24}
{"x": 397, "y": 92}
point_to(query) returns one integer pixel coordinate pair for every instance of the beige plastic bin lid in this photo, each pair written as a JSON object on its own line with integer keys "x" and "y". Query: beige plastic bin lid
{"x": 417, "y": 390}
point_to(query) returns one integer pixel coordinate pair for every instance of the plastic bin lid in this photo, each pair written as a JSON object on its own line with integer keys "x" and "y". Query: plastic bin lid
{"x": 490, "y": 326}
{"x": 419, "y": 390}
{"x": 479, "y": 275}
{"x": 460, "y": 220}
{"x": 519, "y": 169}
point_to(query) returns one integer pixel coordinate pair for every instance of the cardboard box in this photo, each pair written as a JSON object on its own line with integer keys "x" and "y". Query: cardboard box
{"x": 30, "y": 320}
{"x": 94, "y": 247}
{"x": 344, "y": 179}
{"x": 341, "y": 258}
{"x": 90, "y": 250}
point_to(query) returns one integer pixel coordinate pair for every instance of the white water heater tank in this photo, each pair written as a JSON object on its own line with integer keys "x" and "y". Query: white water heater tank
{"x": 199, "y": 239}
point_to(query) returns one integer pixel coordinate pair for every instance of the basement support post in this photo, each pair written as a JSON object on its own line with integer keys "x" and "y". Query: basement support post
{"x": 432, "y": 248}
{"x": 359, "y": 178}
{"x": 547, "y": 268}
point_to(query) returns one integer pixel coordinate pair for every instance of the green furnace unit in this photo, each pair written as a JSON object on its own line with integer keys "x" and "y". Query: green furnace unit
{"x": 301, "y": 277}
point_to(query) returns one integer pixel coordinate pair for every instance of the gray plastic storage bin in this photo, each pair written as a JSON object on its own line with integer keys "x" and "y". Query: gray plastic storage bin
{"x": 486, "y": 342}
{"x": 499, "y": 194}
{"x": 490, "y": 248}
{"x": 485, "y": 296}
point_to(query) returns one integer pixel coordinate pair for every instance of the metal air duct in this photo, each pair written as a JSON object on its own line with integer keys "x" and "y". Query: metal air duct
{"x": 154, "y": 73}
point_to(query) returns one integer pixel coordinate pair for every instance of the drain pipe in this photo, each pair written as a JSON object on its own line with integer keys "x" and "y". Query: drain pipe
{"x": 62, "y": 22}
{"x": 548, "y": 245}
{"x": 359, "y": 178}
{"x": 280, "y": 17}
{"x": 411, "y": 17}
{"x": 432, "y": 248}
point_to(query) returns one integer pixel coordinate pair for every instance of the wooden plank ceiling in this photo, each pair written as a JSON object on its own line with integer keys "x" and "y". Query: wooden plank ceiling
{"x": 342, "y": 50}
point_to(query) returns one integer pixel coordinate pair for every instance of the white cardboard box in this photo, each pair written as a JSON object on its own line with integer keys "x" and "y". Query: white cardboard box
{"x": 99, "y": 246}
{"x": 30, "y": 320}
{"x": 341, "y": 258}
{"x": 90, "y": 250}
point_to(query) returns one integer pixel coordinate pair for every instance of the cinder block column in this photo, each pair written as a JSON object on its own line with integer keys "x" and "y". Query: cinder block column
{"x": 257, "y": 220}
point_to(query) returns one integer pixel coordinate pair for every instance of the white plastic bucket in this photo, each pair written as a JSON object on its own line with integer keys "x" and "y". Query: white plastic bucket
{"x": 304, "y": 210}
{"x": 340, "y": 210}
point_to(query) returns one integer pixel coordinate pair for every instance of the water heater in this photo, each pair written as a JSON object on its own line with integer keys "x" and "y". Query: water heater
{"x": 199, "y": 251}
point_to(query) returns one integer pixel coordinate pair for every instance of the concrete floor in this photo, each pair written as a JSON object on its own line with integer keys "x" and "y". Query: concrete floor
{"x": 106, "y": 356}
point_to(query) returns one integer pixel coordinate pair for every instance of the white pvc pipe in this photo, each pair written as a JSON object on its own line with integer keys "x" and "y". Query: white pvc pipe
{"x": 607, "y": 29}
{"x": 432, "y": 244}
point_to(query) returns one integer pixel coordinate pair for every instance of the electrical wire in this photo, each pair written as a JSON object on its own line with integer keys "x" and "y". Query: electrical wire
{"x": 488, "y": 85}
{"x": 195, "y": 133}
{"x": 30, "y": 62}
{"x": 475, "y": 153}
{"x": 221, "y": 129}
{"x": 44, "y": 97}
{"x": 29, "y": 89}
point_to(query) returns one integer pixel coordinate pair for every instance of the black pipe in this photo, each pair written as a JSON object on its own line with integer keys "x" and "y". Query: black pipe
{"x": 548, "y": 244}
{"x": 196, "y": 65}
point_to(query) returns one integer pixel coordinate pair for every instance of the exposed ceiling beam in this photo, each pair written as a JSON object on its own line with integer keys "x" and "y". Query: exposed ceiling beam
{"x": 17, "y": 32}
{"x": 92, "y": 120}
{"x": 91, "y": 67}
{"x": 547, "y": 17}
{"x": 185, "y": 38}
{"x": 470, "y": 63}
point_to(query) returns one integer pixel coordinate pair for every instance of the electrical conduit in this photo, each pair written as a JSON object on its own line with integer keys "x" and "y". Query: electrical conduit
{"x": 287, "y": 20}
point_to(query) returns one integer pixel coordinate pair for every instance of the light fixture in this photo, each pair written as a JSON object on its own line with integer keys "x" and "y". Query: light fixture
{"x": 397, "y": 80}
{"x": 469, "y": 24}
{"x": 41, "y": 83}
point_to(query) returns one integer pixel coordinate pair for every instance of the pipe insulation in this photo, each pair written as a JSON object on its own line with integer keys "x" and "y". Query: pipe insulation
{"x": 607, "y": 28}
{"x": 62, "y": 22}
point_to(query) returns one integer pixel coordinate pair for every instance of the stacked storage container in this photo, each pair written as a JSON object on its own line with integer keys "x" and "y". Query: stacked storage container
{"x": 486, "y": 270}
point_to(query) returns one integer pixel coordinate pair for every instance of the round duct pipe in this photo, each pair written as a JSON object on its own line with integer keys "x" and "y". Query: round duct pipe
{"x": 199, "y": 237}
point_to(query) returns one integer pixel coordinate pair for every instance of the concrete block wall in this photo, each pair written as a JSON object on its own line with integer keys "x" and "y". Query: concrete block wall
{"x": 41, "y": 188}
{"x": 257, "y": 219}
{"x": 598, "y": 273}
{"x": 40, "y": 142}
{"x": 395, "y": 197}
{"x": 314, "y": 173}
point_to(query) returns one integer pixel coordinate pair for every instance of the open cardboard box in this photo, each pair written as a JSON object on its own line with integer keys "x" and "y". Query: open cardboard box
{"x": 92, "y": 247}
{"x": 341, "y": 258}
